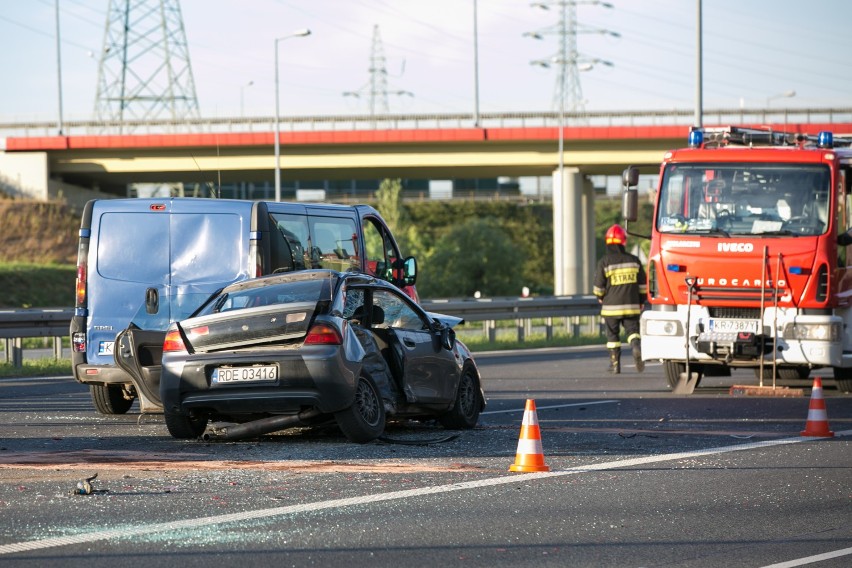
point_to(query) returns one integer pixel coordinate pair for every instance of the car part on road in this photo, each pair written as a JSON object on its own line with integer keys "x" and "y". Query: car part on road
{"x": 262, "y": 426}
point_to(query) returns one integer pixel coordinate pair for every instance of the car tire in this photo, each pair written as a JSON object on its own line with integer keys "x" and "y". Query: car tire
{"x": 364, "y": 421}
{"x": 110, "y": 399}
{"x": 468, "y": 404}
{"x": 183, "y": 426}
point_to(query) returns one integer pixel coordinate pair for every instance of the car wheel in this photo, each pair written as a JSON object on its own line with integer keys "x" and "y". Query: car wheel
{"x": 468, "y": 404}
{"x": 183, "y": 426}
{"x": 110, "y": 399}
{"x": 364, "y": 421}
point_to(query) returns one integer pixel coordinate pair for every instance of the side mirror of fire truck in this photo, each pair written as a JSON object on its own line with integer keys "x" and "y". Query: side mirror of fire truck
{"x": 844, "y": 239}
{"x": 630, "y": 197}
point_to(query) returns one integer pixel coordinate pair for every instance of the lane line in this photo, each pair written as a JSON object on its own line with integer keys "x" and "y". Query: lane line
{"x": 811, "y": 559}
{"x": 521, "y": 410}
{"x": 197, "y": 523}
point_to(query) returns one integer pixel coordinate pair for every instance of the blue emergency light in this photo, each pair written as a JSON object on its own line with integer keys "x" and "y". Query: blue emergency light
{"x": 696, "y": 138}
{"x": 825, "y": 139}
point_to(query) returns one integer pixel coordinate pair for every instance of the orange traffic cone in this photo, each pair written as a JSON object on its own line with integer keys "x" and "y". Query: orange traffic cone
{"x": 817, "y": 424}
{"x": 529, "y": 456}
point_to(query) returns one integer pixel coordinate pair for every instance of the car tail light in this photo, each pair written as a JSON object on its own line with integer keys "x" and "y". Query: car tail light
{"x": 323, "y": 334}
{"x": 173, "y": 341}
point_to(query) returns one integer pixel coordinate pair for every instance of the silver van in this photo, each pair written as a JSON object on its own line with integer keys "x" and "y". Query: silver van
{"x": 144, "y": 263}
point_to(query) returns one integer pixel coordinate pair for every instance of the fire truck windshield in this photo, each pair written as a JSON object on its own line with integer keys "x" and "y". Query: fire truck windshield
{"x": 744, "y": 199}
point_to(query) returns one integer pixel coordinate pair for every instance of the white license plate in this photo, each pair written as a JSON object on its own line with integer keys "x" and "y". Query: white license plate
{"x": 105, "y": 347}
{"x": 254, "y": 374}
{"x": 734, "y": 325}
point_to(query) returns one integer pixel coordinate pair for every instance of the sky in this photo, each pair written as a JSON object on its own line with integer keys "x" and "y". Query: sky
{"x": 754, "y": 51}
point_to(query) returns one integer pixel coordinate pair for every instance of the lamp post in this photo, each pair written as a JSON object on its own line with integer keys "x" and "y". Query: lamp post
{"x": 784, "y": 95}
{"x": 297, "y": 33}
{"x": 59, "y": 66}
{"x": 242, "y": 97}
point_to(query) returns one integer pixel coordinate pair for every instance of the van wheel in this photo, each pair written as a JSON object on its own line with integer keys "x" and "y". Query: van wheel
{"x": 110, "y": 399}
{"x": 673, "y": 370}
{"x": 364, "y": 421}
{"x": 183, "y": 426}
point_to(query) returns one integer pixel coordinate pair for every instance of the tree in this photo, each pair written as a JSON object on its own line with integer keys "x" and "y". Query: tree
{"x": 389, "y": 204}
{"x": 476, "y": 256}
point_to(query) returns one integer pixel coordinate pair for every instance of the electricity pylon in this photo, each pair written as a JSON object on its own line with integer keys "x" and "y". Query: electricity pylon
{"x": 568, "y": 93}
{"x": 377, "y": 86}
{"x": 144, "y": 71}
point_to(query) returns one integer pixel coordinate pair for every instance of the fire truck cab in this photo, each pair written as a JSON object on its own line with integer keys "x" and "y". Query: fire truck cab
{"x": 749, "y": 263}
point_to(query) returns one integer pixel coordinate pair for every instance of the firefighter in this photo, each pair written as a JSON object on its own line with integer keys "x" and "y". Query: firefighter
{"x": 620, "y": 286}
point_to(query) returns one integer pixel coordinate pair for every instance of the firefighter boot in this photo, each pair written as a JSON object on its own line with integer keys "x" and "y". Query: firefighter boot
{"x": 615, "y": 361}
{"x": 636, "y": 345}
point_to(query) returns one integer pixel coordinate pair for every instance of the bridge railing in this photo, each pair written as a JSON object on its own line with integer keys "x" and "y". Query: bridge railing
{"x": 570, "y": 311}
{"x": 792, "y": 116}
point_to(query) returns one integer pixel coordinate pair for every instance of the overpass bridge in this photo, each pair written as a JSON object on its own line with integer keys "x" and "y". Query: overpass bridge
{"x": 100, "y": 159}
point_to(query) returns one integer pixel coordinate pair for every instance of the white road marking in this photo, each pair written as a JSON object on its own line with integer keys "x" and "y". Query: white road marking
{"x": 521, "y": 410}
{"x": 811, "y": 559}
{"x": 90, "y": 537}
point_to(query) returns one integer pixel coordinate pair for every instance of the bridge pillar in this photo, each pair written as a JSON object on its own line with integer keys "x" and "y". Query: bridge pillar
{"x": 589, "y": 253}
{"x": 568, "y": 224}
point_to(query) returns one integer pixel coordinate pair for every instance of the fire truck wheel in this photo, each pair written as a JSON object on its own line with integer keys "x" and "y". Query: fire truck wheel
{"x": 673, "y": 370}
{"x": 843, "y": 378}
{"x": 784, "y": 373}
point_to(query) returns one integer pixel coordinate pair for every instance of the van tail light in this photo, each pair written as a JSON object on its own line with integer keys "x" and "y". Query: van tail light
{"x": 82, "y": 269}
{"x": 78, "y": 342}
{"x": 323, "y": 334}
{"x": 174, "y": 341}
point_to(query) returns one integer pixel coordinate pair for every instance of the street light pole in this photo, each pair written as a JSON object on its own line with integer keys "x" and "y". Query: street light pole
{"x": 242, "y": 97}
{"x": 59, "y": 66}
{"x": 298, "y": 33}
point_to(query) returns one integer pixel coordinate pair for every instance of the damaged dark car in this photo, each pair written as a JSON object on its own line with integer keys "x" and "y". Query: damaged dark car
{"x": 297, "y": 348}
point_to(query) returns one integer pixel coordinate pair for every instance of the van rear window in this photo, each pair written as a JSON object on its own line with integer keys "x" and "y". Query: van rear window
{"x": 171, "y": 249}
{"x": 134, "y": 247}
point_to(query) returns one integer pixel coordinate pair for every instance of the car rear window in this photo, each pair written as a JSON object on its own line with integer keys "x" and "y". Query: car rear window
{"x": 292, "y": 292}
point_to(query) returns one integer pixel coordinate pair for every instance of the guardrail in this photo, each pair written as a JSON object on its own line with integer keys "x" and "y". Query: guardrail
{"x": 684, "y": 116}
{"x": 15, "y": 325}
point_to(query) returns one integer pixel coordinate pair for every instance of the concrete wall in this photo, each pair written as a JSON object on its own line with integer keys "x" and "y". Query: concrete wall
{"x": 24, "y": 175}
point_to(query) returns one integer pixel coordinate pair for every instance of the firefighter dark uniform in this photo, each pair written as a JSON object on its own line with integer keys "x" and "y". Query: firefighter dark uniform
{"x": 620, "y": 285}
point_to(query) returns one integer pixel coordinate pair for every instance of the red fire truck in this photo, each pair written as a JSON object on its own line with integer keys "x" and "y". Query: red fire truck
{"x": 748, "y": 259}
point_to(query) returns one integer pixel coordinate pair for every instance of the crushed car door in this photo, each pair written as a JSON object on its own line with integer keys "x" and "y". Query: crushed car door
{"x": 139, "y": 353}
{"x": 429, "y": 372}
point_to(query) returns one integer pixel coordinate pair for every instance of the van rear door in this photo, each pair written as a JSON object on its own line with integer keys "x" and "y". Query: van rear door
{"x": 154, "y": 262}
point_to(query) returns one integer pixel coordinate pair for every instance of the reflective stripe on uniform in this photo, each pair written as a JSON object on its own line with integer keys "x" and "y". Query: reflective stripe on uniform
{"x": 633, "y": 336}
{"x": 613, "y": 344}
{"x": 621, "y": 310}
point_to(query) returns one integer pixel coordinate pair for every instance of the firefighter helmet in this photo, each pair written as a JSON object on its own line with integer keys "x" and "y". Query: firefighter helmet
{"x": 615, "y": 235}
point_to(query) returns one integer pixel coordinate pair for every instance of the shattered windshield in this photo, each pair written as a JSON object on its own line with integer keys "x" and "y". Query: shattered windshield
{"x": 744, "y": 199}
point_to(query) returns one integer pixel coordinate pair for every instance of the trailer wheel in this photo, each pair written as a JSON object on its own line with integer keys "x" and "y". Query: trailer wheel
{"x": 673, "y": 370}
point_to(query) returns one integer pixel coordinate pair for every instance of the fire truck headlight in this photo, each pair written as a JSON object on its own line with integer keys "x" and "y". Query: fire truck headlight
{"x": 812, "y": 331}
{"x": 662, "y": 327}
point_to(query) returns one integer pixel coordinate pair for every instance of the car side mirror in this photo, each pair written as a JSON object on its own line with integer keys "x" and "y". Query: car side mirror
{"x": 405, "y": 272}
{"x": 448, "y": 338}
{"x": 844, "y": 239}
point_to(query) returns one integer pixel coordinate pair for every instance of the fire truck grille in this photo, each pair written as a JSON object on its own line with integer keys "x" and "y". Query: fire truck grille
{"x": 735, "y": 313}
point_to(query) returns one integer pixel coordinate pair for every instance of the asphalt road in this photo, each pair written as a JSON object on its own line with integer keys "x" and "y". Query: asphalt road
{"x": 638, "y": 477}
